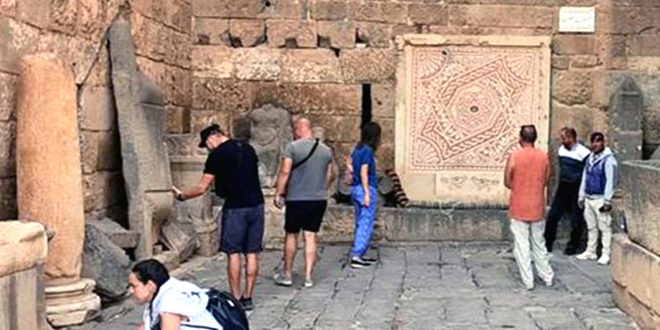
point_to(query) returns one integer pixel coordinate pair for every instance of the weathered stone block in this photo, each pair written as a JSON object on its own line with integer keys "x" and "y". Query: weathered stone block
{"x": 654, "y": 282}
{"x": 285, "y": 9}
{"x": 22, "y": 300}
{"x": 90, "y": 17}
{"x": 375, "y": 35}
{"x": 428, "y": 13}
{"x": 37, "y": 12}
{"x": 222, "y": 95}
{"x": 620, "y": 244}
{"x": 210, "y": 8}
{"x": 212, "y": 61}
{"x": 641, "y": 202}
{"x": 416, "y": 224}
{"x": 368, "y": 65}
{"x": 89, "y": 152}
{"x": 585, "y": 61}
{"x": 310, "y": 98}
{"x": 259, "y": 63}
{"x": 573, "y": 44}
{"x": 332, "y": 10}
{"x": 317, "y": 65}
{"x": 23, "y": 245}
{"x": 638, "y": 272}
{"x": 247, "y": 32}
{"x": 8, "y": 87}
{"x": 102, "y": 190}
{"x": 377, "y": 11}
{"x": 63, "y": 15}
{"x": 336, "y": 34}
{"x": 502, "y": 16}
{"x": 8, "y": 208}
{"x": 178, "y": 120}
{"x": 98, "y": 109}
{"x": 383, "y": 98}
{"x": 210, "y": 31}
{"x": 150, "y": 37}
{"x": 572, "y": 87}
{"x": 201, "y": 119}
{"x": 16, "y": 39}
{"x": 582, "y": 118}
{"x": 645, "y": 45}
{"x": 629, "y": 20}
{"x": 178, "y": 14}
{"x": 291, "y": 33}
{"x": 105, "y": 263}
{"x": 7, "y": 149}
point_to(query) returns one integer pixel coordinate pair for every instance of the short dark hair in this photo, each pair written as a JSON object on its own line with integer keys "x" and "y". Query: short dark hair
{"x": 371, "y": 135}
{"x": 597, "y": 136}
{"x": 569, "y": 131}
{"x": 151, "y": 270}
{"x": 528, "y": 133}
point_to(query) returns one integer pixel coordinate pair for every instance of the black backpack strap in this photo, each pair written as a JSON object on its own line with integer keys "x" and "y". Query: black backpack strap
{"x": 311, "y": 152}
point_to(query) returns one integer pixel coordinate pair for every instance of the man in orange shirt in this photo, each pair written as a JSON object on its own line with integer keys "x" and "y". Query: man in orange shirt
{"x": 526, "y": 175}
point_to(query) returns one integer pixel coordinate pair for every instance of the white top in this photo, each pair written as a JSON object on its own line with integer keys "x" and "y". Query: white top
{"x": 182, "y": 298}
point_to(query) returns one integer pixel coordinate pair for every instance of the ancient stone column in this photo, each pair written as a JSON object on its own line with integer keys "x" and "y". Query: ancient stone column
{"x": 49, "y": 181}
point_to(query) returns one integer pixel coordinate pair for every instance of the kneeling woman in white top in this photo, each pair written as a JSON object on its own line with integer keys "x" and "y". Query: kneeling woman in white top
{"x": 171, "y": 304}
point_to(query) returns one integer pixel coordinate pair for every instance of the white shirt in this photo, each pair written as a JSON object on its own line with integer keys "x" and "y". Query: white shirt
{"x": 182, "y": 298}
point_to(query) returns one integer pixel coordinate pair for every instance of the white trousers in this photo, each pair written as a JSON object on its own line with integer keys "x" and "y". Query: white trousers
{"x": 597, "y": 220}
{"x": 524, "y": 253}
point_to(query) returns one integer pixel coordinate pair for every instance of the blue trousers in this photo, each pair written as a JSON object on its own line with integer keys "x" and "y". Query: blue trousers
{"x": 364, "y": 219}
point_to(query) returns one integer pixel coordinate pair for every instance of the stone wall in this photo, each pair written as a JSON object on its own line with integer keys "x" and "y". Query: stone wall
{"x": 636, "y": 256}
{"x": 312, "y": 56}
{"x": 75, "y": 31}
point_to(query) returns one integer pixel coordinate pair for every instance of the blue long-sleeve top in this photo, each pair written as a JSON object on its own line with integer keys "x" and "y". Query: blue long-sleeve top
{"x": 610, "y": 176}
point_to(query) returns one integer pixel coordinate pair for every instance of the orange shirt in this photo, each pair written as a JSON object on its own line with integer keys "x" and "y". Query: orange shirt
{"x": 529, "y": 171}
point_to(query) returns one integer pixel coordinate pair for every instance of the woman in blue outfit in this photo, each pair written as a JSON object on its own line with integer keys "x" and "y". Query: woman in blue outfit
{"x": 363, "y": 192}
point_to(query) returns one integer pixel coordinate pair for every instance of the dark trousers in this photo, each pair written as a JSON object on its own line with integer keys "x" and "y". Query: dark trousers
{"x": 566, "y": 202}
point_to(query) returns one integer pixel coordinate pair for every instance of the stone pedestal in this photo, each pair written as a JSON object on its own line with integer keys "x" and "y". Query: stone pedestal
{"x": 48, "y": 170}
{"x": 186, "y": 172}
{"x": 22, "y": 253}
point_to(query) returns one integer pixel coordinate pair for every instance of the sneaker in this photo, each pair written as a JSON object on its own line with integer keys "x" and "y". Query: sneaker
{"x": 586, "y": 256}
{"x": 281, "y": 279}
{"x": 369, "y": 259}
{"x": 247, "y": 304}
{"x": 604, "y": 259}
{"x": 357, "y": 262}
{"x": 548, "y": 283}
{"x": 529, "y": 287}
{"x": 309, "y": 283}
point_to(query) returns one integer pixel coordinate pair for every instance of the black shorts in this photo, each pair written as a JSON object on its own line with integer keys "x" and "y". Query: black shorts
{"x": 305, "y": 215}
{"x": 242, "y": 230}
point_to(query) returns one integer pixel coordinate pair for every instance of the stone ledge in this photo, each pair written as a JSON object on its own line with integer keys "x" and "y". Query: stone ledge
{"x": 636, "y": 276}
{"x": 22, "y": 246}
{"x": 641, "y": 202}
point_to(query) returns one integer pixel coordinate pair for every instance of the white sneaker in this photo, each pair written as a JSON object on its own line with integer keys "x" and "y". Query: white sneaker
{"x": 604, "y": 259}
{"x": 586, "y": 256}
{"x": 281, "y": 279}
{"x": 309, "y": 283}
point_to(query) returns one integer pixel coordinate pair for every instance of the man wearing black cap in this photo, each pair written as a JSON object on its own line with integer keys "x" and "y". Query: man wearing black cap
{"x": 233, "y": 166}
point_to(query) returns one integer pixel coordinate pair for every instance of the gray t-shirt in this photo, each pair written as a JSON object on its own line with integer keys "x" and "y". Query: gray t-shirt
{"x": 308, "y": 182}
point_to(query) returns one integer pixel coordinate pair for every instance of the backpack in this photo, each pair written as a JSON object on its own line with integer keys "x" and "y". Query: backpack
{"x": 227, "y": 310}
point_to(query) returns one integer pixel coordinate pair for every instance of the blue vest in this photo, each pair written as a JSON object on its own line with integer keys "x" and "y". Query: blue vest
{"x": 596, "y": 179}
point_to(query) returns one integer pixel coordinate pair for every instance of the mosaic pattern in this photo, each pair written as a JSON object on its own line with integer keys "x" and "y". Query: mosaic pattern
{"x": 467, "y": 106}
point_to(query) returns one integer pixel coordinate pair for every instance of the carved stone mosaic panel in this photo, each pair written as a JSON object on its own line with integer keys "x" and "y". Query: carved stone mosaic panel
{"x": 462, "y": 101}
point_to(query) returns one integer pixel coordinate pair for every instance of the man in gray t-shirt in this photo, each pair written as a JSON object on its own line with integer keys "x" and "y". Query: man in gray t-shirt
{"x": 305, "y": 176}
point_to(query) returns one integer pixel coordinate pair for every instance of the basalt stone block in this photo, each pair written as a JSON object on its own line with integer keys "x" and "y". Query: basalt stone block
{"x": 105, "y": 262}
{"x": 641, "y": 202}
{"x": 141, "y": 120}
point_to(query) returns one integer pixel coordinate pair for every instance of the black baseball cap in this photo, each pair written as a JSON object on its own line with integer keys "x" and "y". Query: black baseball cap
{"x": 205, "y": 133}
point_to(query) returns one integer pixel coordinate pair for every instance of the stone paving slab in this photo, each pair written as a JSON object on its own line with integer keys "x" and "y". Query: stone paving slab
{"x": 422, "y": 286}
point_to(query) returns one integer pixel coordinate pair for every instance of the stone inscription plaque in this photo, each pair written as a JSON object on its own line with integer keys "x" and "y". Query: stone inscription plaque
{"x": 461, "y": 102}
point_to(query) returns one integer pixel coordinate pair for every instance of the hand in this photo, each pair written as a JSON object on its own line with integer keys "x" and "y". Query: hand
{"x": 367, "y": 200}
{"x": 278, "y": 201}
{"x": 177, "y": 193}
{"x": 581, "y": 204}
{"x": 607, "y": 207}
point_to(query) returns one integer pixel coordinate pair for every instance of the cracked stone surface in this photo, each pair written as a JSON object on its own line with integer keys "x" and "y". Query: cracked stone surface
{"x": 428, "y": 286}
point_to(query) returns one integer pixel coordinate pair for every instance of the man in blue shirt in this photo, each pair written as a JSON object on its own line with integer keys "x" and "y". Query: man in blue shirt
{"x": 596, "y": 192}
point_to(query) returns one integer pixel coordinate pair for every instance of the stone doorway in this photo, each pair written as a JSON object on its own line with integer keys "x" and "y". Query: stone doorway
{"x": 460, "y": 103}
